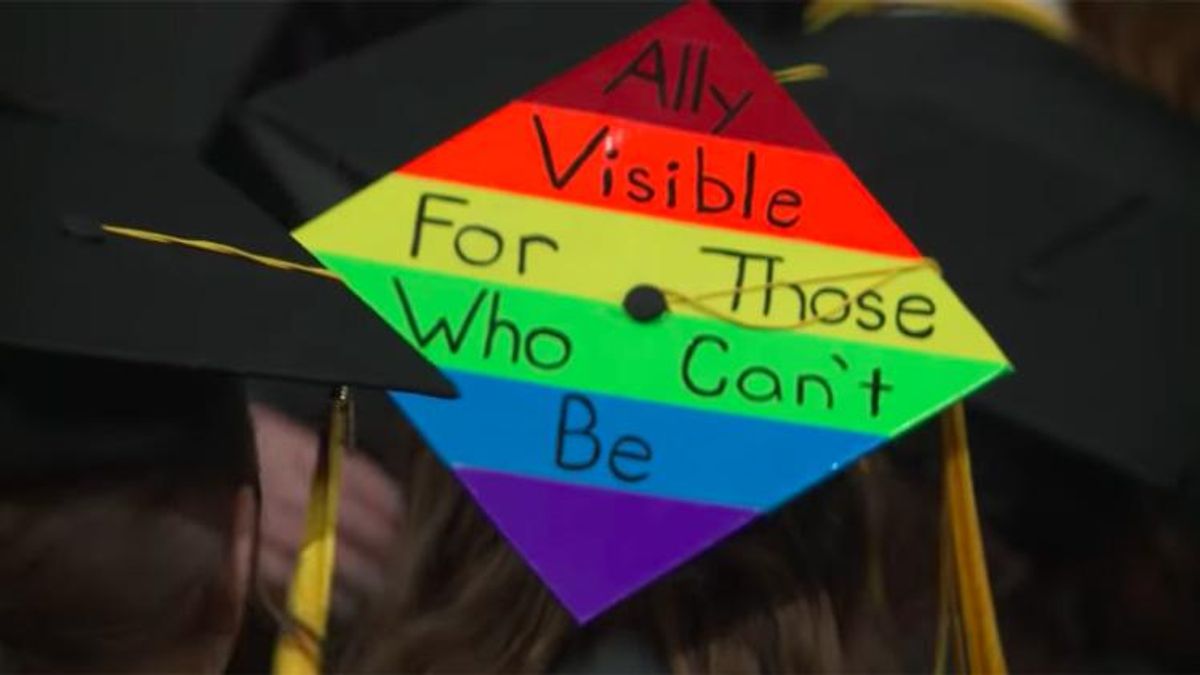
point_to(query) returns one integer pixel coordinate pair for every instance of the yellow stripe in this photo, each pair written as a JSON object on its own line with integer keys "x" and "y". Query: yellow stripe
{"x": 601, "y": 254}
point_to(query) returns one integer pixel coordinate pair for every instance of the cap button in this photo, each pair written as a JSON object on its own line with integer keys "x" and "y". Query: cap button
{"x": 645, "y": 303}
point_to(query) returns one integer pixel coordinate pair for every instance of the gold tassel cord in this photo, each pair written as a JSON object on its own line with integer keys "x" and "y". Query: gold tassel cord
{"x": 970, "y": 589}
{"x": 216, "y": 247}
{"x": 296, "y": 652}
{"x": 803, "y": 72}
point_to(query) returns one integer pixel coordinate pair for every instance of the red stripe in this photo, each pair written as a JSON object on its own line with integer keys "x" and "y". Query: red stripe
{"x": 652, "y": 170}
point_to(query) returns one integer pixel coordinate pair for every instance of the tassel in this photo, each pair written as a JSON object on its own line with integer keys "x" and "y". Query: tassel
{"x": 967, "y": 617}
{"x": 299, "y": 650}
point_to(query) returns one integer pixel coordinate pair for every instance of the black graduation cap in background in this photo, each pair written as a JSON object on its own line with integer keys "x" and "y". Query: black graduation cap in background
{"x": 69, "y": 288}
{"x": 1059, "y": 199}
{"x": 1061, "y": 203}
{"x": 403, "y": 95}
{"x": 160, "y": 71}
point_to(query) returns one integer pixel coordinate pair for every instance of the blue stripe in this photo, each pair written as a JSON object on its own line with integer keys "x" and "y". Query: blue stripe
{"x": 727, "y": 460}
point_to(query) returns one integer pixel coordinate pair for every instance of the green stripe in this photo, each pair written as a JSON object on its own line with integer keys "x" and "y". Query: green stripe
{"x": 612, "y": 354}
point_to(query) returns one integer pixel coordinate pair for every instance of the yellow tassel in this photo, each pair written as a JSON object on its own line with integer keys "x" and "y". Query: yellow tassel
{"x": 801, "y": 73}
{"x": 820, "y": 14}
{"x": 298, "y": 652}
{"x": 967, "y": 597}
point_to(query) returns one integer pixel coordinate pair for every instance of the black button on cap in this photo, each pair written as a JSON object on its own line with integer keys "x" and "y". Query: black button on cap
{"x": 82, "y": 227}
{"x": 645, "y": 303}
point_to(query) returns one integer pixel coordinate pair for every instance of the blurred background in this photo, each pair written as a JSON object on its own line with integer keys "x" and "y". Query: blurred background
{"x": 1047, "y": 153}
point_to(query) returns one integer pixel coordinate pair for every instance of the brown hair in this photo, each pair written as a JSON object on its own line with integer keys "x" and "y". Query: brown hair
{"x": 100, "y": 574}
{"x": 1155, "y": 44}
{"x": 790, "y": 593}
{"x": 115, "y": 544}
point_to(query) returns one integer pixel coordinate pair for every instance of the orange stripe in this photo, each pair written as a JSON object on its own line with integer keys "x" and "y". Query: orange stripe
{"x": 620, "y": 164}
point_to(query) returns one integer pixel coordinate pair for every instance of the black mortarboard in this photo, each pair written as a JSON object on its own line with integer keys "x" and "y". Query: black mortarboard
{"x": 70, "y": 288}
{"x": 525, "y": 483}
{"x": 416, "y": 89}
{"x": 160, "y": 71}
{"x": 1061, "y": 201}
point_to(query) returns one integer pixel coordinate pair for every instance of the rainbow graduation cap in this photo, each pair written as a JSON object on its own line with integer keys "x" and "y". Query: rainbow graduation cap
{"x": 531, "y": 257}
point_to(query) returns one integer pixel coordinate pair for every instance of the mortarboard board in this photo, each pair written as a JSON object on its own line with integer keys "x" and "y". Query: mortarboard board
{"x": 160, "y": 72}
{"x": 993, "y": 146}
{"x": 300, "y": 129}
{"x": 68, "y": 287}
{"x": 533, "y": 254}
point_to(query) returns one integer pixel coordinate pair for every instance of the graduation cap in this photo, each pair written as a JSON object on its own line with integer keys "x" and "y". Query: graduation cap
{"x": 130, "y": 68}
{"x": 1059, "y": 200}
{"x": 115, "y": 254}
{"x": 667, "y": 305}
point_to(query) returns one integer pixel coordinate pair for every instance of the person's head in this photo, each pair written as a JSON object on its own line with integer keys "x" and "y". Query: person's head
{"x": 790, "y": 593}
{"x": 126, "y": 515}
